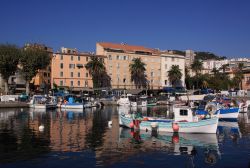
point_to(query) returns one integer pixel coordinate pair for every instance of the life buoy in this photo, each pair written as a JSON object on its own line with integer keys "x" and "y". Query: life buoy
{"x": 175, "y": 127}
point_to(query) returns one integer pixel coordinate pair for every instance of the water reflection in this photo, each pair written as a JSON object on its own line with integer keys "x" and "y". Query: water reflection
{"x": 74, "y": 132}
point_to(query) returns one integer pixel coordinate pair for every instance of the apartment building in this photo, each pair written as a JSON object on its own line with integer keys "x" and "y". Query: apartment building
{"x": 120, "y": 56}
{"x": 158, "y": 63}
{"x": 68, "y": 69}
{"x": 168, "y": 59}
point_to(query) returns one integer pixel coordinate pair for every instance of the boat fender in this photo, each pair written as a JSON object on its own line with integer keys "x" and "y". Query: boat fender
{"x": 175, "y": 138}
{"x": 175, "y": 127}
{"x": 41, "y": 128}
{"x": 110, "y": 124}
{"x": 131, "y": 125}
{"x": 145, "y": 119}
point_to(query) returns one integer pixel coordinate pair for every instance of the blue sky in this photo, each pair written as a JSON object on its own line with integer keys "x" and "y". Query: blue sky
{"x": 219, "y": 26}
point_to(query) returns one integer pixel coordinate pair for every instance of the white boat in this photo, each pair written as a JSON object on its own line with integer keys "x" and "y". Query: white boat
{"x": 123, "y": 101}
{"x": 183, "y": 121}
{"x": 41, "y": 102}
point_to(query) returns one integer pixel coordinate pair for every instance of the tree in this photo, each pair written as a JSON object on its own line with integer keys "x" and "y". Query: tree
{"x": 224, "y": 67}
{"x": 9, "y": 58}
{"x": 32, "y": 60}
{"x": 196, "y": 66}
{"x": 174, "y": 75}
{"x": 137, "y": 70}
{"x": 215, "y": 71}
{"x": 97, "y": 70}
{"x": 239, "y": 75}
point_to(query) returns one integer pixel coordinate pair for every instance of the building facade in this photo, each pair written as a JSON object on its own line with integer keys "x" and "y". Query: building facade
{"x": 68, "y": 69}
{"x": 158, "y": 63}
{"x": 168, "y": 59}
{"x": 120, "y": 56}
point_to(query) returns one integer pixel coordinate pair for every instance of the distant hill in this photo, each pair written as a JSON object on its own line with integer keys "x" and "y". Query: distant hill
{"x": 201, "y": 55}
{"x": 208, "y": 55}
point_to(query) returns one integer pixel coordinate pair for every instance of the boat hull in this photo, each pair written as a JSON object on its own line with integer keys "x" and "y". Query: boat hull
{"x": 72, "y": 106}
{"x": 229, "y": 114}
{"x": 202, "y": 126}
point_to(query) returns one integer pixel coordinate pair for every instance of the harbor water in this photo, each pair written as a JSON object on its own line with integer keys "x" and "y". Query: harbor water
{"x": 86, "y": 138}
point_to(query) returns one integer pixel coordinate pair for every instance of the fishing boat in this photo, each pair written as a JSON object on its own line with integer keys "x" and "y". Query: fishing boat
{"x": 42, "y": 102}
{"x": 71, "y": 104}
{"x": 224, "y": 113}
{"x": 184, "y": 121}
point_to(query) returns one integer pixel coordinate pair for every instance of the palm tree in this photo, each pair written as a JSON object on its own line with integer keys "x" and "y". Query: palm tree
{"x": 97, "y": 70}
{"x": 137, "y": 70}
{"x": 224, "y": 67}
{"x": 174, "y": 75}
{"x": 215, "y": 71}
{"x": 239, "y": 75}
{"x": 197, "y": 66}
{"x": 9, "y": 58}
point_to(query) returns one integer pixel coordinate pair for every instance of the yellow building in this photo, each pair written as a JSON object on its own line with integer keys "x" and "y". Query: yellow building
{"x": 120, "y": 56}
{"x": 68, "y": 69}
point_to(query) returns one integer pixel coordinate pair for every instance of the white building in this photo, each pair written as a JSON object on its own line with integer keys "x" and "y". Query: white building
{"x": 167, "y": 60}
{"x": 190, "y": 55}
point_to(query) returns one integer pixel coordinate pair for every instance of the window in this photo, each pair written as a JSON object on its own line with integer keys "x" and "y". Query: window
{"x": 72, "y": 58}
{"x": 110, "y": 57}
{"x": 118, "y": 66}
{"x": 124, "y": 80}
{"x": 166, "y": 66}
{"x": 124, "y": 57}
{"x": 117, "y": 57}
{"x": 79, "y": 74}
{"x": 61, "y": 83}
{"x": 172, "y": 58}
{"x": 152, "y": 81}
{"x": 166, "y": 82}
{"x": 71, "y": 74}
{"x": 87, "y": 59}
{"x": 183, "y": 112}
{"x": 71, "y": 66}
{"x": 152, "y": 74}
{"x": 61, "y": 65}
{"x": 87, "y": 75}
{"x": 61, "y": 57}
{"x": 79, "y": 58}
{"x": 61, "y": 74}
{"x": 71, "y": 83}
{"x": 78, "y": 83}
{"x": 86, "y": 83}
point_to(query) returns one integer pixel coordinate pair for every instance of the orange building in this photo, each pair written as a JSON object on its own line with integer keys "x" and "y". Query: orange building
{"x": 68, "y": 69}
{"x": 120, "y": 56}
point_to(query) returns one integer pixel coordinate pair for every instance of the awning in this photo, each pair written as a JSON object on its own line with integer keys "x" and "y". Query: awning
{"x": 134, "y": 91}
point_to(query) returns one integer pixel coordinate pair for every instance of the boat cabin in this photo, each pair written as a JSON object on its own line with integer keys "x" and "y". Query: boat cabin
{"x": 183, "y": 113}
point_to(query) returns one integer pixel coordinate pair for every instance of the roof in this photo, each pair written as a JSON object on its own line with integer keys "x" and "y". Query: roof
{"x": 126, "y": 48}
